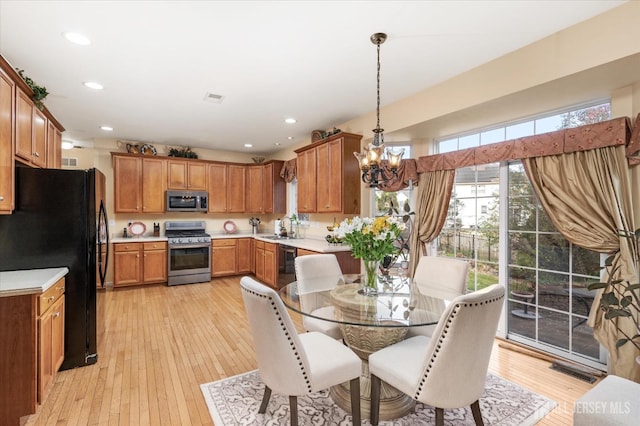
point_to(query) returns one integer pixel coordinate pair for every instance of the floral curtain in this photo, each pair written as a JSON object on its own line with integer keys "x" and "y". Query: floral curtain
{"x": 432, "y": 205}
{"x": 587, "y": 195}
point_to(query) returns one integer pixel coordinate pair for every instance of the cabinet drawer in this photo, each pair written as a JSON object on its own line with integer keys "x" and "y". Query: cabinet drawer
{"x": 223, "y": 243}
{"x": 259, "y": 244}
{"x": 157, "y": 245}
{"x": 127, "y": 247}
{"x": 49, "y": 297}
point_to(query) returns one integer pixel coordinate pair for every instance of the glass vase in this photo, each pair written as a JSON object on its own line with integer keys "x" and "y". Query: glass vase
{"x": 370, "y": 278}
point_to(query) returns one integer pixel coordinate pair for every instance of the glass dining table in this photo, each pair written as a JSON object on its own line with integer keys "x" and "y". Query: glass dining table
{"x": 368, "y": 323}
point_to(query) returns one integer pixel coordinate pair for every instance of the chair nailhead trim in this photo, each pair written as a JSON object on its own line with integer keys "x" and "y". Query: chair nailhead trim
{"x": 289, "y": 337}
{"x": 443, "y": 335}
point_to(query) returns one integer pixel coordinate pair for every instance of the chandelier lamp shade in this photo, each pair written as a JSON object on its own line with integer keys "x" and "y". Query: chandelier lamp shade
{"x": 370, "y": 160}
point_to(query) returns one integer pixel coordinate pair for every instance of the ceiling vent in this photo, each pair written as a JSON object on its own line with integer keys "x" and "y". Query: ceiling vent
{"x": 213, "y": 98}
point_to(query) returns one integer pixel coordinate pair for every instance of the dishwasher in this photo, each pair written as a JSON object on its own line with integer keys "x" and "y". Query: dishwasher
{"x": 286, "y": 264}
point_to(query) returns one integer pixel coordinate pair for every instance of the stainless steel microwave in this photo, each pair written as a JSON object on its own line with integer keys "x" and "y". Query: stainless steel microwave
{"x": 187, "y": 201}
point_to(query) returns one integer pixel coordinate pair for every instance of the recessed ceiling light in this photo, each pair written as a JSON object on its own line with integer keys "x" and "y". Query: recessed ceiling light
{"x": 77, "y": 38}
{"x": 290, "y": 120}
{"x": 67, "y": 145}
{"x": 276, "y": 143}
{"x": 248, "y": 145}
{"x": 93, "y": 85}
{"x": 290, "y": 138}
{"x": 107, "y": 128}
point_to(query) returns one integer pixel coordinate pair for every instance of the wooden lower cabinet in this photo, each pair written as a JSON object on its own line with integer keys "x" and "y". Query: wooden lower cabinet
{"x": 50, "y": 335}
{"x": 231, "y": 256}
{"x": 32, "y": 351}
{"x": 348, "y": 264}
{"x": 266, "y": 259}
{"x": 154, "y": 262}
{"x": 245, "y": 255}
{"x": 223, "y": 257}
{"x": 139, "y": 263}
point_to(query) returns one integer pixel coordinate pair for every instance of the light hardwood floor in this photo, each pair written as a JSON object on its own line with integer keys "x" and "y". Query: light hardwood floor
{"x": 160, "y": 343}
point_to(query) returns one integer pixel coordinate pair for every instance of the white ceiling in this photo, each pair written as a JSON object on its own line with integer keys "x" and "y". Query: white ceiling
{"x": 311, "y": 60}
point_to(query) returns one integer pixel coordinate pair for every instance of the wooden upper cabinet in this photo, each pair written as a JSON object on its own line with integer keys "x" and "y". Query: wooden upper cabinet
{"x": 226, "y": 188}
{"x": 39, "y": 138}
{"x": 127, "y": 179}
{"x": 31, "y": 131}
{"x": 217, "y": 188}
{"x": 154, "y": 185}
{"x": 329, "y": 158}
{"x": 7, "y": 164}
{"x": 186, "y": 174}
{"x": 54, "y": 147}
{"x": 236, "y": 183}
{"x": 266, "y": 191}
{"x": 306, "y": 175}
{"x": 24, "y": 128}
{"x": 327, "y": 168}
{"x": 253, "y": 193}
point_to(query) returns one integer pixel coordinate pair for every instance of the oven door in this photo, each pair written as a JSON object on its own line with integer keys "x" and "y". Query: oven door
{"x": 189, "y": 259}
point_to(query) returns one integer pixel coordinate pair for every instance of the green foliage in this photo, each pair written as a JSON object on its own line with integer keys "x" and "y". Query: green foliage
{"x": 182, "y": 152}
{"x": 620, "y": 299}
{"x": 403, "y": 240}
{"x": 39, "y": 92}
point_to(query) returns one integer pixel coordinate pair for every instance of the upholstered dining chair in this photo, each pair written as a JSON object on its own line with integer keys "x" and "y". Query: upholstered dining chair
{"x": 310, "y": 269}
{"x": 438, "y": 277}
{"x": 295, "y": 364}
{"x": 449, "y": 369}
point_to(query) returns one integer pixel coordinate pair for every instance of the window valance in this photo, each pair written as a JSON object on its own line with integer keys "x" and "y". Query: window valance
{"x": 407, "y": 172}
{"x": 583, "y": 138}
{"x": 288, "y": 171}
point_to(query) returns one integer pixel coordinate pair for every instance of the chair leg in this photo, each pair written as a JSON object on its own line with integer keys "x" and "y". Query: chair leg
{"x": 375, "y": 400}
{"x": 265, "y": 400}
{"x": 293, "y": 407}
{"x": 439, "y": 416}
{"x": 354, "y": 385}
{"x": 477, "y": 416}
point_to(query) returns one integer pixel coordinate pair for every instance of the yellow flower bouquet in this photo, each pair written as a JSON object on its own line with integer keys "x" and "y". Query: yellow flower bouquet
{"x": 371, "y": 239}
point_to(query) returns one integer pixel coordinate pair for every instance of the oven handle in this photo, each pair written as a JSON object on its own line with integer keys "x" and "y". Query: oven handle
{"x": 181, "y": 246}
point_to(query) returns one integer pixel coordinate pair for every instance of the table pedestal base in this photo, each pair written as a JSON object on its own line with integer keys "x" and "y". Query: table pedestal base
{"x": 364, "y": 341}
{"x": 393, "y": 403}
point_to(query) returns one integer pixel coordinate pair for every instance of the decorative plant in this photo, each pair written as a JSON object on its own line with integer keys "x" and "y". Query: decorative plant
{"x": 402, "y": 242}
{"x": 182, "y": 152}
{"x": 39, "y": 92}
{"x": 620, "y": 299}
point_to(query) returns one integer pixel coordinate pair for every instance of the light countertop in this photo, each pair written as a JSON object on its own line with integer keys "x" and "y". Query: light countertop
{"x": 320, "y": 245}
{"x": 137, "y": 239}
{"x": 31, "y": 281}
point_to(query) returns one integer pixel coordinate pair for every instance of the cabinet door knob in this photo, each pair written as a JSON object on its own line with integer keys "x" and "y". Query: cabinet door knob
{"x": 1, "y": 198}
{"x": 50, "y": 299}
{"x": 56, "y": 315}
{"x": 35, "y": 154}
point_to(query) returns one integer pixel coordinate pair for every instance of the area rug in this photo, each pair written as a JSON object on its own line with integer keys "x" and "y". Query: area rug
{"x": 235, "y": 401}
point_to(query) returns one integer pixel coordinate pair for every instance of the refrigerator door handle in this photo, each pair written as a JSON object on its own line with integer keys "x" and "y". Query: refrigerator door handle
{"x": 102, "y": 221}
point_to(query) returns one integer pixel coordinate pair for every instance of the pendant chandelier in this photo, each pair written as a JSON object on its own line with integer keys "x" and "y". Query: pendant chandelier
{"x": 370, "y": 159}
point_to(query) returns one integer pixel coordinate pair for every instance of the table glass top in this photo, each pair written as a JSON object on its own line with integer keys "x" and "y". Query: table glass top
{"x": 336, "y": 299}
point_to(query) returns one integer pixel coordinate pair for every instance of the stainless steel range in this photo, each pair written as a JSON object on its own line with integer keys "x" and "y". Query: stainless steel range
{"x": 189, "y": 252}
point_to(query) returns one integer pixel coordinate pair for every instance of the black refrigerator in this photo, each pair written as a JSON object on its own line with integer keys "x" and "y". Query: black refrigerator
{"x": 60, "y": 220}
